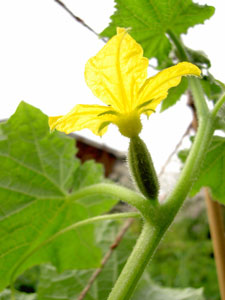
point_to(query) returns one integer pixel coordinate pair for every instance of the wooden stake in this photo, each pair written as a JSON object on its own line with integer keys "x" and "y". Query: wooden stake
{"x": 218, "y": 238}
{"x": 216, "y": 221}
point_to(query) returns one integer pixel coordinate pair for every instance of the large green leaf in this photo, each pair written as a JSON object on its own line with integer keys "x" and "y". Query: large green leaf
{"x": 212, "y": 172}
{"x": 38, "y": 171}
{"x": 68, "y": 285}
{"x": 151, "y": 20}
{"x": 6, "y": 295}
{"x": 147, "y": 289}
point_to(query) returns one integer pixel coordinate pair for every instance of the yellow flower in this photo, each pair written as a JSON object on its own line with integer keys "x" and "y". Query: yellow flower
{"x": 117, "y": 75}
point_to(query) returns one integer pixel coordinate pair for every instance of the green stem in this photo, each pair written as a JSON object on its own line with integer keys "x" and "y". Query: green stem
{"x": 182, "y": 54}
{"x": 201, "y": 142}
{"x": 199, "y": 99}
{"x": 195, "y": 86}
{"x": 133, "y": 198}
{"x": 190, "y": 169}
{"x": 136, "y": 263}
{"x": 218, "y": 105}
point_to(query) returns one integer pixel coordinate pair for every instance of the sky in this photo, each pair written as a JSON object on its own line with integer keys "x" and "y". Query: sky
{"x": 43, "y": 54}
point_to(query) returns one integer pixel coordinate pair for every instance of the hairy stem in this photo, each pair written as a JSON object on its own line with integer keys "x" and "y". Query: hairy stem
{"x": 218, "y": 105}
{"x": 190, "y": 170}
{"x": 182, "y": 54}
{"x": 136, "y": 263}
{"x": 199, "y": 99}
{"x": 124, "y": 194}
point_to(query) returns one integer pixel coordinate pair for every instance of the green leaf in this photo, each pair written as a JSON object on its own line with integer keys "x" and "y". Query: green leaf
{"x": 214, "y": 90}
{"x": 174, "y": 94}
{"x": 28, "y": 281}
{"x": 212, "y": 87}
{"x": 151, "y": 20}
{"x": 38, "y": 172}
{"x": 69, "y": 284}
{"x": 147, "y": 289}
{"x": 212, "y": 172}
{"x": 66, "y": 286}
{"x": 183, "y": 154}
{"x": 6, "y": 295}
{"x": 198, "y": 58}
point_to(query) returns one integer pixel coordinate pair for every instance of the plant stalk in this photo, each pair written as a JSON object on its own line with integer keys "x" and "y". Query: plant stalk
{"x": 182, "y": 54}
{"x": 137, "y": 261}
{"x": 124, "y": 194}
{"x": 190, "y": 169}
{"x": 218, "y": 105}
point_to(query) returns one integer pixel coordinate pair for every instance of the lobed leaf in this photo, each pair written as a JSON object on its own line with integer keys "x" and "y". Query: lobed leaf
{"x": 38, "y": 172}
{"x": 147, "y": 289}
{"x": 6, "y": 295}
{"x": 69, "y": 285}
{"x": 151, "y": 20}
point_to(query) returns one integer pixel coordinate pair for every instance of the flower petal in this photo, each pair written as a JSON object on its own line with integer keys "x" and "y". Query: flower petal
{"x": 117, "y": 72}
{"x": 157, "y": 87}
{"x": 52, "y": 121}
{"x": 151, "y": 106}
{"x": 84, "y": 116}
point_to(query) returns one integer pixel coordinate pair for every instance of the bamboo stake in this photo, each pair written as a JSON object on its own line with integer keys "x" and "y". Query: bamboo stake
{"x": 218, "y": 238}
{"x": 216, "y": 221}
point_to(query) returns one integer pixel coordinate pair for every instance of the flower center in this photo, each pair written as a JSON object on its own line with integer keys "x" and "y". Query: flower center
{"x": 129, "y": 124}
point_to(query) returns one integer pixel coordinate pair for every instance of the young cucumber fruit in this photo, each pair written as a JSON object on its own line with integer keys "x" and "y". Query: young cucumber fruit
{"x": 142, "y": 168}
